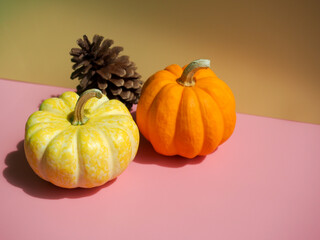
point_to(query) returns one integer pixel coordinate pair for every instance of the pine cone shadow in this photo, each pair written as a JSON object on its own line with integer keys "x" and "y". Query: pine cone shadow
{"x": 19, "y": 174}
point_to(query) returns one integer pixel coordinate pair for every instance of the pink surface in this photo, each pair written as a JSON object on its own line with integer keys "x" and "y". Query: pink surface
{"x": 264, "y": 183}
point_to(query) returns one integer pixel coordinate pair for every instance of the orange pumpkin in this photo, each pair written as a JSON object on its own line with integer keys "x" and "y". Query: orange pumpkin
{"x": 186, "y": 112}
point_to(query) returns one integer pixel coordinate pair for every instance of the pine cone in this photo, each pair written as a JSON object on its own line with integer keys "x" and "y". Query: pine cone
{"x": 97, "y": 65}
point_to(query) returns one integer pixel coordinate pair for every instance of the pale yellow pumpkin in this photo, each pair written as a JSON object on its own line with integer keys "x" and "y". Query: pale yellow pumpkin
{"x": 80, "y": 143}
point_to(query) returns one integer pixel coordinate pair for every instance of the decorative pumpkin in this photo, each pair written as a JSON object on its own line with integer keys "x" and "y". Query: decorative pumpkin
{"x": 80, "y": 142}
{"x": 186, "y": 112}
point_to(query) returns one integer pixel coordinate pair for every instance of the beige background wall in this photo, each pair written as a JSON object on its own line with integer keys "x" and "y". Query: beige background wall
{"x": 267, "y": 51}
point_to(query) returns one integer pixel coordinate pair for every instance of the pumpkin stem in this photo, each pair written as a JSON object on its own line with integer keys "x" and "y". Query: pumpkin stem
{"x": 186, "y": 78}
{"x": 79, "y": 118}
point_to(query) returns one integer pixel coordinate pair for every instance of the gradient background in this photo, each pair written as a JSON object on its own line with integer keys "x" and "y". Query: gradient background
{"x": 267, "y": 51}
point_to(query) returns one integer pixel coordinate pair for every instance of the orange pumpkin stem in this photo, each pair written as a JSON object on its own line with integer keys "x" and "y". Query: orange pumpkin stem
{"x": 186, "y": 78}
{"x": 79, "y": 118}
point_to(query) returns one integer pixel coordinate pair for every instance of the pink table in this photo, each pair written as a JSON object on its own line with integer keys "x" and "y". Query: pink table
{"x": 264, "y": 183}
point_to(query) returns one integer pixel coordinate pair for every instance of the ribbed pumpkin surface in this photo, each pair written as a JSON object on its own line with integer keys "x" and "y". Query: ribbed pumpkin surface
{"x": 85, "y": 155}
{"x": 186, "y": 120}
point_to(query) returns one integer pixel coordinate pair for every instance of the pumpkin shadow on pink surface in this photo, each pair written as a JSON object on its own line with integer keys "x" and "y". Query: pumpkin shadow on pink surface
{"x": 147, "y": 155}
{"x": 19, "y": 174}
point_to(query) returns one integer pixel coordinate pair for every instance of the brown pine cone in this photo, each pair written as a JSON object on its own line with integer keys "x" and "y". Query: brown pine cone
{"x": 98, "y": 65}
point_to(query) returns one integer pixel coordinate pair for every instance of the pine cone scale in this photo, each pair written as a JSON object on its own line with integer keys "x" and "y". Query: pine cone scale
{"x": 86, "y": 42}
{"x": 128, "y": 84}
{"x": 116, "y": 70}
{"x": 104, "y": 47}
{"x": 76, "y": 73}
{"x": 104, "y": 73}
{"x": 102, "y": 85}
{"x": 118, "y": 82}
{"x": 82, "y": 44}
{"x": 96, "y": 42}
{"x": 75, "y": 52}
{"x": 116, "y": 91}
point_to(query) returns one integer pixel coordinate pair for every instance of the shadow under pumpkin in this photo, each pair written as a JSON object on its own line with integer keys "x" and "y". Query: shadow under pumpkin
{"x": 19, "y": 173}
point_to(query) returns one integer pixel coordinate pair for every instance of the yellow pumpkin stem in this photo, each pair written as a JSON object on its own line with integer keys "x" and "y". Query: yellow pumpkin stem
{"x": 186, "y": 78}
{"x": 79, "y": 118}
